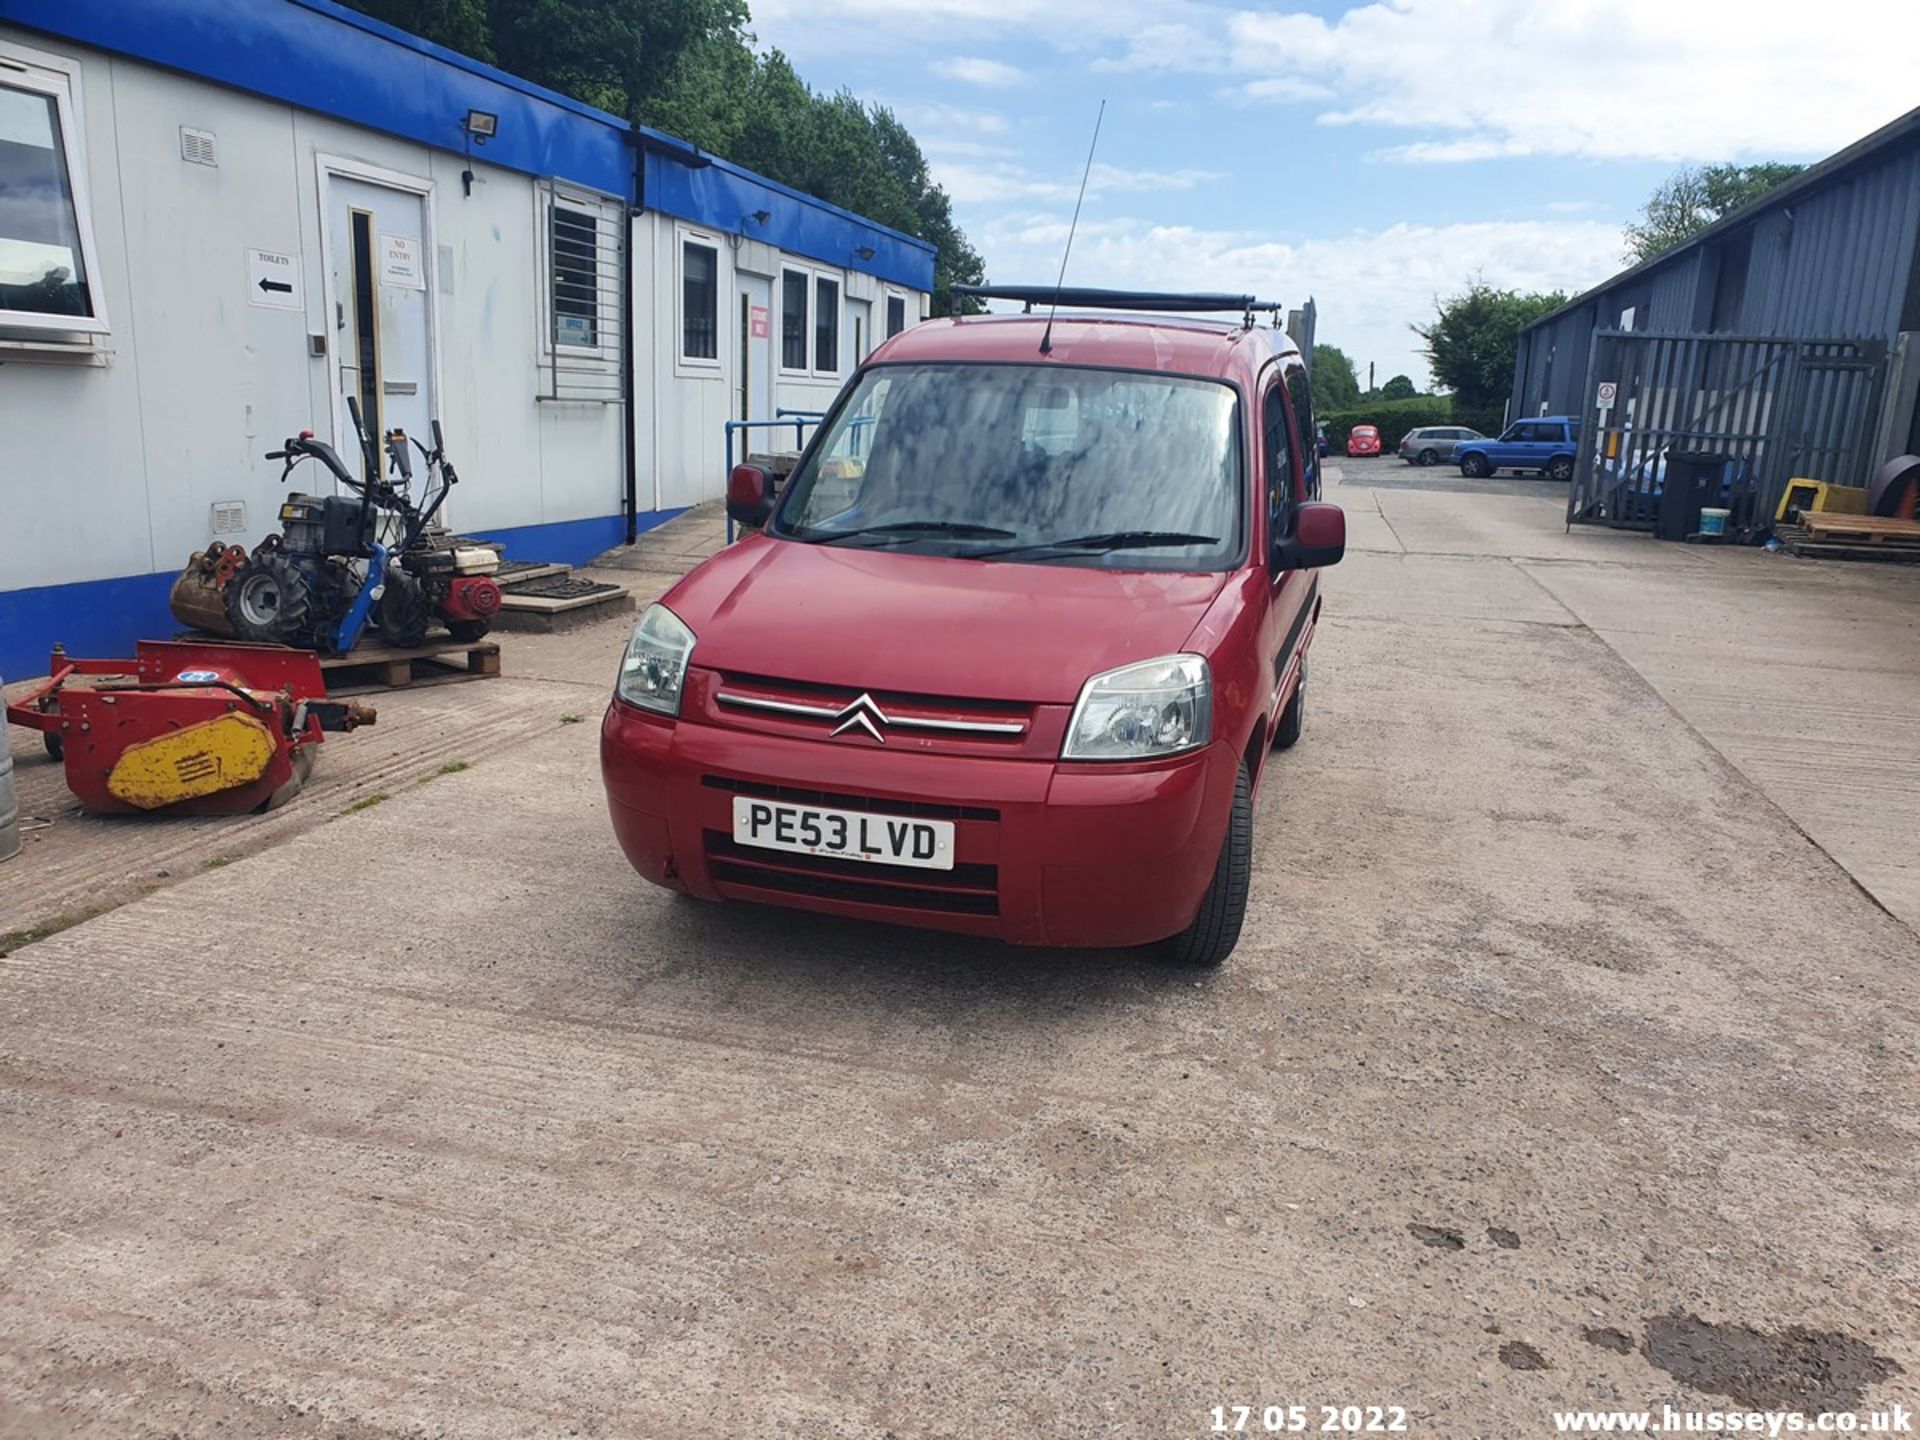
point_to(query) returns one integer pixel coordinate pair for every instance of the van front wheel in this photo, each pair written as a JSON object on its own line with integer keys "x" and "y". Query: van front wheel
{"x": 1216, "y": 928}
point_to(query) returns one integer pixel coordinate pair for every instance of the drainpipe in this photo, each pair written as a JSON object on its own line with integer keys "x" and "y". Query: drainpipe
{"x": 632, "y": 416}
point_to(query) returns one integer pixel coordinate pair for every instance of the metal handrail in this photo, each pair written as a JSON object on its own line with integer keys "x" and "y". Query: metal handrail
{"x": 799, "y": 419}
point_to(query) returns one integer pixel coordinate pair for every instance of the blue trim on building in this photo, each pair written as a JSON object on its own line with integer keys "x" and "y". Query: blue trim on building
{"x": 322, "y": 57}
{"x": 103, "y": 618}
{"x": 92, "y": 618}
{"x": 572, "y": 542}
{"x": 722, "y": 196}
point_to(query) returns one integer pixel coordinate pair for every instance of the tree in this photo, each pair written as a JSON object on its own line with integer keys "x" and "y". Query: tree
{"x": 1473, "y": 338}
{"x": 1331, "y": 378}
{"x": 686, "y": 67}
{"x": 1690, "y": 200}
{"x": 1400, "y": 387}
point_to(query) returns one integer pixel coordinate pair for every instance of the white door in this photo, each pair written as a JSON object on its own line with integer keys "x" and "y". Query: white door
{"x": 859, "y": 339}
{"x": 380, "y": 265}
{"x": 753, "y": 331}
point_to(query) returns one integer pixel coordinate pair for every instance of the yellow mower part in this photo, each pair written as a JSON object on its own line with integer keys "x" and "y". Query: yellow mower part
{"x": 1818, "y": 495}
{"x": 204, "y": 759}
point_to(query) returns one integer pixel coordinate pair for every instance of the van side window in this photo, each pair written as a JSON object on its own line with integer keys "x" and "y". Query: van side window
{"x": 1279, "y": 448}
{"x": 1303, "y": 427}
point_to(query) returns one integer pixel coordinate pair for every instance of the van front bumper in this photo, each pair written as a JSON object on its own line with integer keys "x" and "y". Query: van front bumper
{"x": 1045, "y": 853}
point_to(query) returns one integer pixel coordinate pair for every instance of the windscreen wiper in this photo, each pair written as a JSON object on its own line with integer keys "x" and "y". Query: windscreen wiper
{"x": 1109, "y": 540}
{"x": 909, "y": 529}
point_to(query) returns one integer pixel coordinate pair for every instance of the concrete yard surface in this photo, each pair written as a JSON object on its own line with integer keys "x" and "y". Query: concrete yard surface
{"x": 1560, "y": 1045}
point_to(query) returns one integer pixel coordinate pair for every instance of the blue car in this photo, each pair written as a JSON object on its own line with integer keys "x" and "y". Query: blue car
{"x": 1546, "y": 445}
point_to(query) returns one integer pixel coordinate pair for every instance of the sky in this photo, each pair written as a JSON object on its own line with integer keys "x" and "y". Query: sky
{"x": 1369, "y": 156}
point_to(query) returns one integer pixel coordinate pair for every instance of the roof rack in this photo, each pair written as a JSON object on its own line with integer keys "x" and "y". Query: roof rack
{"x": 1076, "y": 298}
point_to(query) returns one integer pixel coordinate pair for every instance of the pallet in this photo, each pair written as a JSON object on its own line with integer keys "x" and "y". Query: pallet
{"x": 392, "y": 667}
{"x": 1861, "y": 530}
{"x": 1795, "y": 540}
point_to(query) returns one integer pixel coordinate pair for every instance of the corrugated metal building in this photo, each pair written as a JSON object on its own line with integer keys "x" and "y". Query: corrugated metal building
{"x": 1834, "y": 253}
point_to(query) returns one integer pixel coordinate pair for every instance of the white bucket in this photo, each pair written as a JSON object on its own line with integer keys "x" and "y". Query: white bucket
{"x": 1713, "y": 521}
{"x": 9, "y": 807}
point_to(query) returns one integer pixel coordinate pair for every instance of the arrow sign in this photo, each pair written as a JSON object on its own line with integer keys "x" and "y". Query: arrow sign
{"x": 273, "y": 280}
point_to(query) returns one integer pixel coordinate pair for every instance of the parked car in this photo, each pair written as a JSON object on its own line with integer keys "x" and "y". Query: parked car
{"x": 1431, "y": 444}
{"x": 1546, "y": 445}
{"x": 1016, "y": 674}
{"x": 1363, "y": 440}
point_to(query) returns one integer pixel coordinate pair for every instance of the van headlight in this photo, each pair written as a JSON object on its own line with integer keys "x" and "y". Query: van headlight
{"x": 1157, "y": 707}
{"x": 655, "y": 665}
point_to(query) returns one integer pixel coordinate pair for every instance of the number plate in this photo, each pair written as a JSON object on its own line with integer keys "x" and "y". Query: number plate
{"x": 843, "y": 834}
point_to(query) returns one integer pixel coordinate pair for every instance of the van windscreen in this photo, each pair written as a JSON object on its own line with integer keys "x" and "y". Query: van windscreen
{"x": 1042, "y": 463}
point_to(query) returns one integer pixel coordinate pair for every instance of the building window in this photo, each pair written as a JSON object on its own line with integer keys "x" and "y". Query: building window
{"x": 826, "y": 326}
{"x": 793, "y": 320}
{"x": 700, "y": 301}
{"x": 47, "y": 265}
{"x": 896, "y": 315}
{"x": 576, "y": 277}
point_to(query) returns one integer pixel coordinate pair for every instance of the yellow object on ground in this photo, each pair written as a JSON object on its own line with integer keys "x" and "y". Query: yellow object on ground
{"x": 203, "y": 759}
{"x": 1819, "y": 495}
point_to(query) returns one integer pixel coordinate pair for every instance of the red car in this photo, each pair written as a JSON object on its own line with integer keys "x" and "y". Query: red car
{"x": 1363, "y": 440}
{"x": 1011, "y": 648}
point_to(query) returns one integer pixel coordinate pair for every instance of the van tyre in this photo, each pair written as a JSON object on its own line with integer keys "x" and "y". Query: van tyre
{"x": 1475, "y": 467}
{"x": 1560, "y": 468}
{"x": 1286, "y": 733}
{"x": 1216, "y": 928}
{"x": 404, "y": 613}
{"x": 270, "y": 601}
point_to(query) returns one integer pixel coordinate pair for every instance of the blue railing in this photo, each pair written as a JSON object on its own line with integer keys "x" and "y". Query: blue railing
{"x": 799, "y": 419}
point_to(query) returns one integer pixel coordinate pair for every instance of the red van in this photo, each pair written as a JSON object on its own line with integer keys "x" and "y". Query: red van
{"x": 1012, "y": 646}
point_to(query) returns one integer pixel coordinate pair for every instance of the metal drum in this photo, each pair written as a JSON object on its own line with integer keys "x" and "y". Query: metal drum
{"x": 9, "y": 807}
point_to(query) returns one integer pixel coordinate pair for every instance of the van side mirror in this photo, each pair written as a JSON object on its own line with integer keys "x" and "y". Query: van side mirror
{"x": 1319, "y": 537}
{"x": 749, "y": 495}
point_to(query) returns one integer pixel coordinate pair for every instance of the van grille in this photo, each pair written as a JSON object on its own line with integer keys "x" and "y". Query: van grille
{"x": 963, "y": 890}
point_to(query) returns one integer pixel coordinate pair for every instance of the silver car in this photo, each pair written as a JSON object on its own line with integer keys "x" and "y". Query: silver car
{"x": 1434, "y": 443}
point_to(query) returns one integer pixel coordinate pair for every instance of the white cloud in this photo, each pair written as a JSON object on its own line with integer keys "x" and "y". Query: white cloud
{"x": 1283, "y": 89}
{"x": 940, "y": 121}
{"x": 982, "y": 184}
{"x": 1628, "y": 79}
{"x": 1368, "y": 284}
{"x": 840, "y": 27}
{"x": 977, "y": 70}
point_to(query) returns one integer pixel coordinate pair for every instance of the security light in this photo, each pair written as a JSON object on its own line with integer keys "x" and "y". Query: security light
{"x": 482, "y": 125}
{"x": 865, "y": 252}
{"x": 759, "y": 217}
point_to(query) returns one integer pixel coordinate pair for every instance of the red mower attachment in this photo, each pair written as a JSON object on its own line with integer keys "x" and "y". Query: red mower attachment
{"x": 186, "y": 728}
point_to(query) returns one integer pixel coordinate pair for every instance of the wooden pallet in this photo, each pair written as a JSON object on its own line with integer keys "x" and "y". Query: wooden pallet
{"x": 1857, "y": 530}
{"x": 1797, "y": 542}
{"x": 391, "y": 667}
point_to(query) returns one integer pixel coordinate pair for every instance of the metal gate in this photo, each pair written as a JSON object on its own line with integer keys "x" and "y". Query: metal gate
{"x": 1764, "y": 408}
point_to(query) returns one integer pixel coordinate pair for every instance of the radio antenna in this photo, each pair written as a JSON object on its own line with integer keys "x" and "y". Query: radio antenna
{"x": 1046, "y": 338}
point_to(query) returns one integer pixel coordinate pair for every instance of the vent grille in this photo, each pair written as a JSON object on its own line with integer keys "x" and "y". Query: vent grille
{"x": 197, "y": 147}
{"x": 963, "y": 890}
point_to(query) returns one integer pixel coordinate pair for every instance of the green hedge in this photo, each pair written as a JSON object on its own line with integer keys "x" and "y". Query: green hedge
{"x": 1396, "y": 417}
